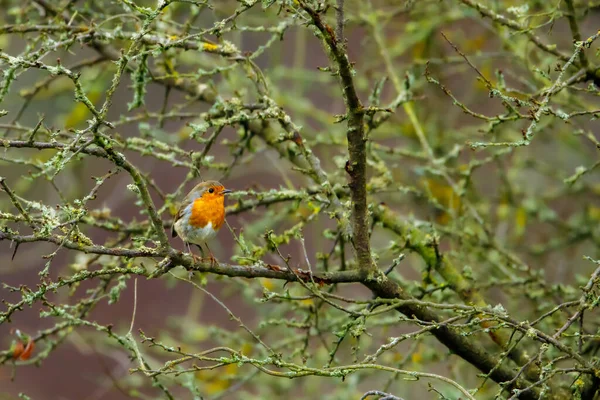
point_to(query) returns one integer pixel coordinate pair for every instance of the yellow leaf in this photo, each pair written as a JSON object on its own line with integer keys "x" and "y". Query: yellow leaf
{"x": 44, "y": 155}
{"x": 594, "y": 213}
{"x": 246, "y": 348}
{"x": 80, "y": 112}
{"x": 417, "y": 356}
{"x": 419, "y": 49}
{"x": 199, "y": 333}
{"x": 169, "y": 67}
{"x": 443, "y": 218}
{"x": 184, "y": 132}
{"x": 520, "y": 221}
{"x": 308, "y": 303}
{"x": 486, "y": 70}
{"x": 444, "y": 195}
{"x": 407, "y": 129}
{"x": 267, "y": 283}
{"x": 210, "y": 47}
{"x": 4, "y": 41}
{"x": 475, "y": 44}
{"x": 218, "y": 380}
{"x": 216, "y": 385}
{"x": 502, "y": 211}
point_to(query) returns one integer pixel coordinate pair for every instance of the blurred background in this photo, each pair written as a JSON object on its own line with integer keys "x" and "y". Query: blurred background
{"x": 517, "y": 220}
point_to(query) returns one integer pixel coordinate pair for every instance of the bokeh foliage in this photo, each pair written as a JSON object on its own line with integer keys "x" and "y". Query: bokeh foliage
{"x": 422, "y": 176}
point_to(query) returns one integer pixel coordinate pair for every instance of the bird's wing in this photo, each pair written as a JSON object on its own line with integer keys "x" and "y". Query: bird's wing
{"x": 177, "y": 217}
{"x": 186, "y": 202}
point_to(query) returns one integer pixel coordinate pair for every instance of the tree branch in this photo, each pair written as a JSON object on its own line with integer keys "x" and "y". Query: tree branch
{"x": 259, "y": 270}
{"x": 356, "y": 166}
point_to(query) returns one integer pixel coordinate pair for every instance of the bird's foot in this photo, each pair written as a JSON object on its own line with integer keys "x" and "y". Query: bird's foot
{"x": 213, "y": 261}
{"x": 195, "y": 258}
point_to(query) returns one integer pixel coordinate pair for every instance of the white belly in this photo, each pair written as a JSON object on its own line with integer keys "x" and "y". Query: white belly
{"x": 191, "y": 234}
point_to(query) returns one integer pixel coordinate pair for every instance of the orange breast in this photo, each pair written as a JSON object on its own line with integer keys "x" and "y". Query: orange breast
{"x": 205, "y": 210}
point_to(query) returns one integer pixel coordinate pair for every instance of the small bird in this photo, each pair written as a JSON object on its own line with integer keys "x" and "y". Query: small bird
{"x": 201, "y": 215}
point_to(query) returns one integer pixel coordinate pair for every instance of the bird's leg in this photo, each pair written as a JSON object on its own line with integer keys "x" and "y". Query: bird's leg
{"x": 213, "y": 260}
{"x": 191, "y": 252}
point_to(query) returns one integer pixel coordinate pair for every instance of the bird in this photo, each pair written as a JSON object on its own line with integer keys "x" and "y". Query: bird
{"x": 201, "y": 215}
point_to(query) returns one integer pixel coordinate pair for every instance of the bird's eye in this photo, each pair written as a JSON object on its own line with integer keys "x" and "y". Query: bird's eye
{"x": 211, "y": 190}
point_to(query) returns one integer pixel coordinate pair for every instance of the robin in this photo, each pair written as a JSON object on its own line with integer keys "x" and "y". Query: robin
{"x": 201, "y": 215}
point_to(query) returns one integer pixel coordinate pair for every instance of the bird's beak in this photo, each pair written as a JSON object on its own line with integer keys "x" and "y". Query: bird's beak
{"x": 225, "y": 191}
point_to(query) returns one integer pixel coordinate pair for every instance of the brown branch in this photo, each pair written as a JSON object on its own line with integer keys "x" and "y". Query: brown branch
{"x": 17, "y": 203}
{"x": 356, "y": 166}
{"x": 177, "y": 258}
{"x": 467, "y": 348}
{"x": 572, "y": 17}
{"x": 339, "y": 16}
{"x": 417, "y": 241}
{"x": 25, "y": 144}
